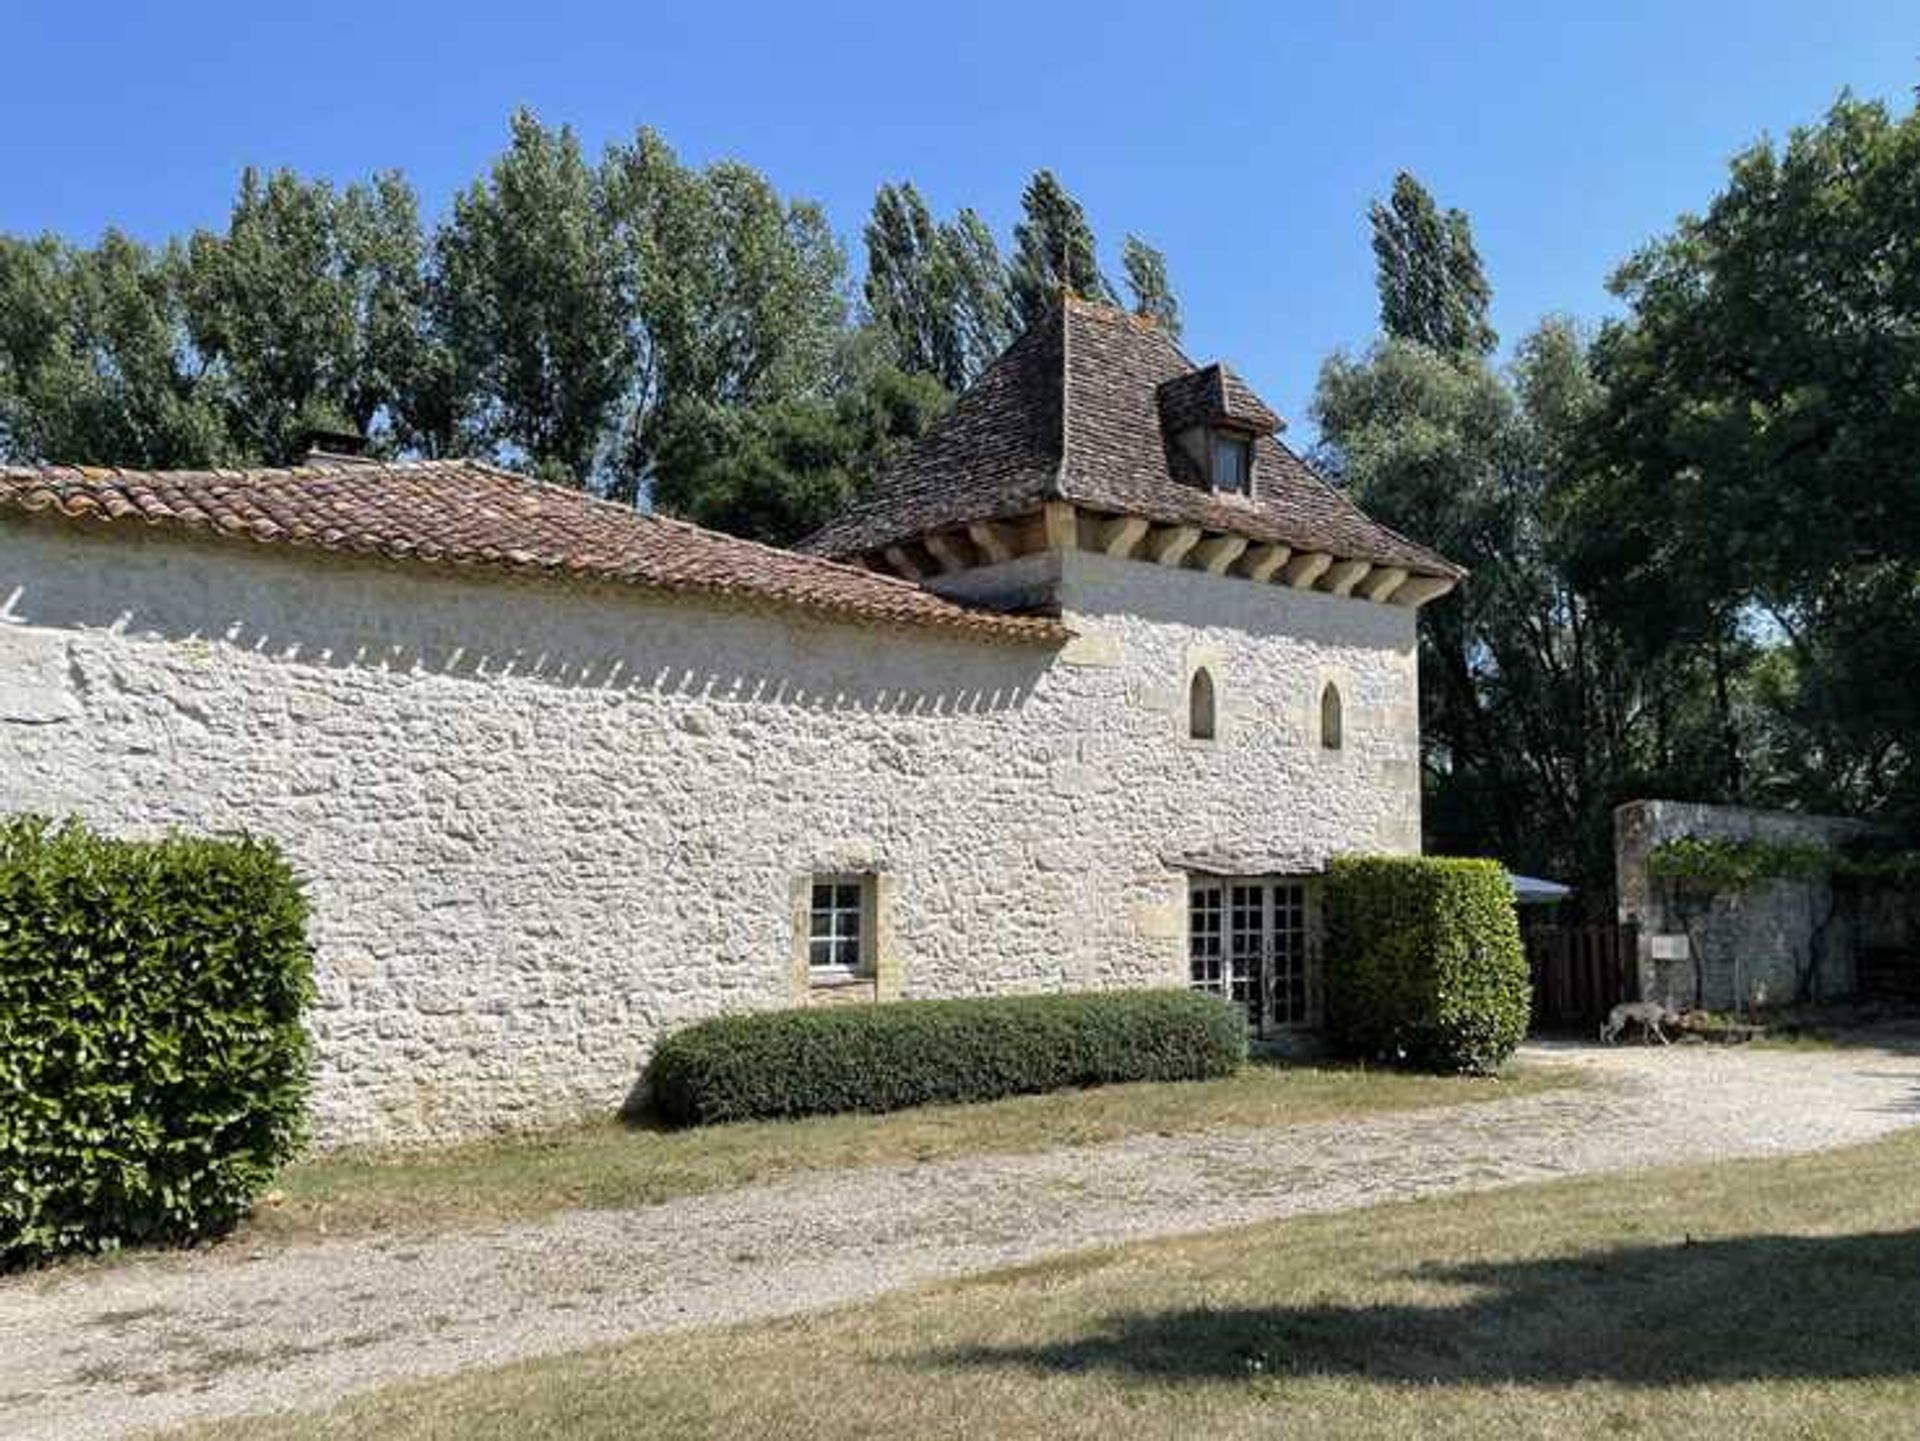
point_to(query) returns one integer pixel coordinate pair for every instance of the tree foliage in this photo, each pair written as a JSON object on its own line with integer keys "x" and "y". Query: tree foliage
{"x": 1053, "y": 250}
{"x": 1432, "y": 289}
{"x": 1755, "y": 455}
{"x": 531, "y": 305}
{"x": 1545, "y": 701}
{"x": 1146, "y": 272}
{"x": 658, "y": 332}
{"x": 936, "y": 290}
{"x": 96, "y": 363}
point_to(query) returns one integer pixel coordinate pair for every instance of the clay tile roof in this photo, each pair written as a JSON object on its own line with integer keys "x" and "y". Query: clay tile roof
{"x": 1211, "y": 396}
{"x": 467, "y": 513}
{"x": 1072, "y": 411}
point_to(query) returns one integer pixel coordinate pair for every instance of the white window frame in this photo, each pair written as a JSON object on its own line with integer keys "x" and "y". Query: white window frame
{"x": 843, "y": 927}
{"x": 1260, "y": 933}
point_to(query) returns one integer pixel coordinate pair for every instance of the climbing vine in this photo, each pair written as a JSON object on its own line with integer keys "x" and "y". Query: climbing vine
{"x": 1693, "y": 869}
{"x": 1714, "y": 864}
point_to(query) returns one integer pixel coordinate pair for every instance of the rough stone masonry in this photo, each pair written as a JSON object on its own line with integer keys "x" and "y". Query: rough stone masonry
{"x": 543, "y": 821}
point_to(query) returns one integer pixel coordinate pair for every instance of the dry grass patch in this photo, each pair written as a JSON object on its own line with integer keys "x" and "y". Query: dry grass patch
{"x": 613, "y": 1165}
{"x": 1766, "y": 1298}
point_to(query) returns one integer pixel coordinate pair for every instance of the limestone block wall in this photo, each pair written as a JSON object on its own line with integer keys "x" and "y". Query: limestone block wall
{"x": 1738, "y": 948}
{"x": 541, "y": 822}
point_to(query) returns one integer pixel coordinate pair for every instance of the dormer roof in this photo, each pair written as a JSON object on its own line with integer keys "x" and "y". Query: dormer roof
{"x": 1213, "y": 396}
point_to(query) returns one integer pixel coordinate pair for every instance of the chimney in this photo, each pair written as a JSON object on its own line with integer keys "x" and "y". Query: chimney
{"x": 319, "y": 446}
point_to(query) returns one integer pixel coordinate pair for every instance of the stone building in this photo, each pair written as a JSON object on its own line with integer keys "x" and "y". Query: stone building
{"x": 1084, "y": 694}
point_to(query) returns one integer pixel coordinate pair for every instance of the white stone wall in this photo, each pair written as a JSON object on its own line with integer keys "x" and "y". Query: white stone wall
{"x": 541, "y": 823}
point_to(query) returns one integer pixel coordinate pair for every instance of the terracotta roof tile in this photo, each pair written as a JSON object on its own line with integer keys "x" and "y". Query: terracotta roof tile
{"x": 464, "y": 512}
{"x": 1072, "y": 412}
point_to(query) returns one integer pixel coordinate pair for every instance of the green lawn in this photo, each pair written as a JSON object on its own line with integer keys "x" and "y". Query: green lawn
{"x": 1768, "y": 1298}
{"x": 616, "y": 1165}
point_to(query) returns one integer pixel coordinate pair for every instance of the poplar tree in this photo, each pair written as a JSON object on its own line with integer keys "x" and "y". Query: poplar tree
{"x": 1432, "y": 287}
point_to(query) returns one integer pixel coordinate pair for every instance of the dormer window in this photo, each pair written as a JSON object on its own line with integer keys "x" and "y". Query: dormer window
{"x": 1232, "y": 462}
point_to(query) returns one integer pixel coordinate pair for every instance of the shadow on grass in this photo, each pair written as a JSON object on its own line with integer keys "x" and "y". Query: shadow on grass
{"x": 1750, "y": 1309}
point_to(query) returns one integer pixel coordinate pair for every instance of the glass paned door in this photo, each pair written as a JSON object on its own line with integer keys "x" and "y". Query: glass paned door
{"x": 1251, "y": 941}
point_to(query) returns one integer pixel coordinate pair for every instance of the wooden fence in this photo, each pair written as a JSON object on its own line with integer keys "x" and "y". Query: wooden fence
{"x": 1891, "y": 975}
{"x": 1580, "y": 972}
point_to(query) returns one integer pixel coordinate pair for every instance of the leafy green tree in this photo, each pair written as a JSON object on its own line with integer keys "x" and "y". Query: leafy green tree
{"x": 778, "y": 472}
{"x": 96, "y": 366}
{"x": 1754, "y": 459}
{"x": 311, "y": 307}
{"x": 730, "y": 295}
{"x": 1432, "y": 289}
{"x": 982, "y": 302}
{"x": 1146, "y": 270}
{"x": 1053, "y": 250}
{"x": 1546, "y": 698}
{"x": 530, "y": 299}
{"x": 936, "y": 290}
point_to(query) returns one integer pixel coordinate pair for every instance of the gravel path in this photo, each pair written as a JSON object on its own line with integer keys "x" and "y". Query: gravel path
{"x": 169, "y": 1339}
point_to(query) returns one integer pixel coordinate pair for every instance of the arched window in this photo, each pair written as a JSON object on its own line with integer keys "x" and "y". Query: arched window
{"x": 1330, "y": 717}
{"x": 1200, "y": 707}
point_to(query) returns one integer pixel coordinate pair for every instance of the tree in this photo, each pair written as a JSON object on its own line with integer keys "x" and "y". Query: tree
{"x": 1539, "y": 713}
{"x": 777, "y": 472}
{"x": 1053, "y": 250}
{"x": 312, "y": 309}
{"x": 1432, "y": 289}
{"x": 531, "y": 303}
{"x": 937, "y": 291}
{"x": 1146, "y": 270}
{"x": 96, "y": 366}
{"x": 730, "y": 295}
{"x": 1754, "y": 459}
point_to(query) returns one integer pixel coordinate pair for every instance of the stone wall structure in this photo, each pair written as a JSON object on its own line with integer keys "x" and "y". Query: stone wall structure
{"x": 541, "y": 822}
{"x": 1738, "y": 948}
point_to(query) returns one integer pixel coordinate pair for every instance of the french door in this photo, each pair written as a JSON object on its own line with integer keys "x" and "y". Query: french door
{"x": 1251, "y": 940}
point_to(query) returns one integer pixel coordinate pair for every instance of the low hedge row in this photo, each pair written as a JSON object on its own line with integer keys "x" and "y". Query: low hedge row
{"x": 1423, "y": 962}
{"x": 912, "y": 1053}
{"x": 153, "y": 1067}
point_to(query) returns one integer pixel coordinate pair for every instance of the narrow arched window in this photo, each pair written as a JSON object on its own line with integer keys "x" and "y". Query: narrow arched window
{"x": 1330, "y": 736}
{"x": 1200, "y": 708}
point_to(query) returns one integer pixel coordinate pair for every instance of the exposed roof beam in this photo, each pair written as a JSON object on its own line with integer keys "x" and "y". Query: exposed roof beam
{"x": 1120, "y": 536}
{"x": 1261, "y": 561}
{"x": 1383, "y": 582}
{"x": 1060, "y": 525}
{"x": 949, "y": 551}
{"x": 1342, "y": 576}
{"x": 902, "y": 563}
{"x": 1303, "y": 570}
{"x": 1170, "y": 546}
{"x": 1217, "y": 553}
{"x": 1419, "y": 589}
{"x": 994, "y": 541}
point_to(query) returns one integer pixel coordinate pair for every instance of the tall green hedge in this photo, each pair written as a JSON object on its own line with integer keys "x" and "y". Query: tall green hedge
{"x": 1423, "y": 962}
{"x": 153, "y": 1066}
{"x": 913, "y": 1053}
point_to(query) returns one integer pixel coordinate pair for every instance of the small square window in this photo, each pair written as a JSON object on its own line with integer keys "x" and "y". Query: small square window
{"x": 1232, "y": 463}
{"x": 837, "y": 930}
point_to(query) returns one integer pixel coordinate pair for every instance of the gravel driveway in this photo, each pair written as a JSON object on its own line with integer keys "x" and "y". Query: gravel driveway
{"x": 171, "y": 1338}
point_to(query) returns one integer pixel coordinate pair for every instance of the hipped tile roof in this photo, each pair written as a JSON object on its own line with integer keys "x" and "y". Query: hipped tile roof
{"x": 467, "y": 513}
{"x": 1071, "y": 411}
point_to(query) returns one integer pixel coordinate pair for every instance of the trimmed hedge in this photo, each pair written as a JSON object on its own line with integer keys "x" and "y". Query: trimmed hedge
{"x": 915, "y": 1053}
{"x": 153, "y": 1067}
{"x": 1423, "y": 962}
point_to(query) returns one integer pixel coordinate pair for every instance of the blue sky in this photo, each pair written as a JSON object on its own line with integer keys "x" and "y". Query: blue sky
{"x": 1244, "y": 139}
